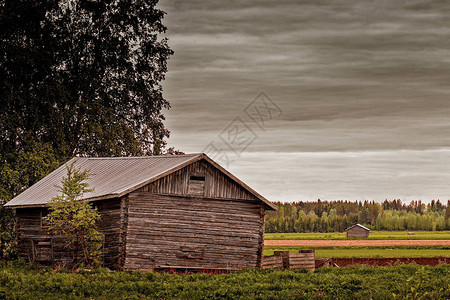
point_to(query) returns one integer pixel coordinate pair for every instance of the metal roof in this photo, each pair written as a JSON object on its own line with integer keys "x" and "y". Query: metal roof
{"x": 114, "y": 177}
{"x": 109, "y": 176}
{"x": 359, "y": 225}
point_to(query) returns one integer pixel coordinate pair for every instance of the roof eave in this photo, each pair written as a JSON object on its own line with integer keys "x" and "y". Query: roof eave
{"x": 91, "y": 199}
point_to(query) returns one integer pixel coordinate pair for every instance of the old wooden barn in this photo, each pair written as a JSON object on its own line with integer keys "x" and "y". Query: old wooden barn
{"x": 183, "y": 211}
{"x": 357, "y": 231}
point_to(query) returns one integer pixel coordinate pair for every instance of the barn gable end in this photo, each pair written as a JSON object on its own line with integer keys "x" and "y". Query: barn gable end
{"x": 216, "y": 184}
{"x": 171, "y": 225}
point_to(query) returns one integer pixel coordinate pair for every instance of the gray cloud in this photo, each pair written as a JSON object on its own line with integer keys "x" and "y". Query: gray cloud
{"x": 349, "y": 76}
{"x": 371, "y": 175}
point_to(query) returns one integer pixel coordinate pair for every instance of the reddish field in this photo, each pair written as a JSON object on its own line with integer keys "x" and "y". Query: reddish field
{"x": 349, "y": 243}
{"x": 382, "y": 261}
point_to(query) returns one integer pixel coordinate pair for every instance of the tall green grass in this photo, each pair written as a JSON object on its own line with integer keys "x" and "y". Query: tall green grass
{"x": 21, "y": 281}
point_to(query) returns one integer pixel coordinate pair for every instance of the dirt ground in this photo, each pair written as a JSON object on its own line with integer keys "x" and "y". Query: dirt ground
{"x": 348, "y": 243}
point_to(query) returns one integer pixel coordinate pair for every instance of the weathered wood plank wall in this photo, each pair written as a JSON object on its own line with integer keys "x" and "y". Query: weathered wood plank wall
{"x": 304, "y": 259}
{"x": 186, "y": 232}
{"x": 272, "y": 261}
{"x": 123, "y": 231}
{"x": 110, "y": 225}
{"x": 217, "y": 185}
{"x": 31, "y": 231}
{"x": 31, "y": 228}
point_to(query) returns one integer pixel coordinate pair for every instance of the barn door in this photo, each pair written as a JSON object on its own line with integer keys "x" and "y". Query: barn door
{"x": 42, "y": 250}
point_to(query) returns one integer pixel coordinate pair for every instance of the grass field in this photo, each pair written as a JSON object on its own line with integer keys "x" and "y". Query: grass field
{"x": 21, "y": 281}
{"x": 394, "y": 251}
{"x": 374, "y": 235}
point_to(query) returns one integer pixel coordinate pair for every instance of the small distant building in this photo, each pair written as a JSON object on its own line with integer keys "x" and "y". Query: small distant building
{"x": 357, "y": 231}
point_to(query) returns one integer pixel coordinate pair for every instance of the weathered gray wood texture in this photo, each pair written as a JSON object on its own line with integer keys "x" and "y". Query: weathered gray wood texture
{"x": 357, "y": 232}
{"x": 186, "y": 232}
{"x": 174, "y": 222}
{"x": 171, "y": 224}
{"x": 217, "y": 185}
{"x": 110, "y": 226}
{"x": 272, "y": 261}
{"x": 304, "y": 259}
{"x": 32, "y": 233}
{"x": 33, "y": 236}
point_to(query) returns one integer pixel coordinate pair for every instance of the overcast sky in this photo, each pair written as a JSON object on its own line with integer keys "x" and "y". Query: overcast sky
{"x": 355, "y": 101}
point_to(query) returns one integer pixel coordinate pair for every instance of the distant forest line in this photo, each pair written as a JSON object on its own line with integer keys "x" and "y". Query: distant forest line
{"x": 336, "y": 216}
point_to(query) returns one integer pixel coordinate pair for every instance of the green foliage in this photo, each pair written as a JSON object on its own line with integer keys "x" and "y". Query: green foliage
{"x": 401, "y": 220}
{"x": 77, "y": 78}
{"x": 83, "y": 75}
{"x": 8, "y": 242}
{"x": 24, "y": 168}
{"x": 17, "y": 172}
{"x": 419, "y": 286}
{"x": 21, "y": 281}
{"x": 76, "y": 220}
{"x": 336, "y": 216}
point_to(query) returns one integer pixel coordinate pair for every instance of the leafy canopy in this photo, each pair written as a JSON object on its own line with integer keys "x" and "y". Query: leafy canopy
{"x": 78, "y": 77}
{"x": 83, "y": 76}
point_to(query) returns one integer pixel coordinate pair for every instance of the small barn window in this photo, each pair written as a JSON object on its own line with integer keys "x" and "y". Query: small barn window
{"x": 198, "y": 178}
{"x": 196, "y": 185}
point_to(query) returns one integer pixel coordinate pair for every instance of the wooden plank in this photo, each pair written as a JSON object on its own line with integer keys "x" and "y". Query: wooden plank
{"x": 305, "y": 259}
{"x": 262, "y": 216}
{"x": 217, "y": 184}
{"x": 123, "y": 232}
{"x": 161, "y": 226}
{"x": 217, "y": 202}
{"x": 274, "y": 261}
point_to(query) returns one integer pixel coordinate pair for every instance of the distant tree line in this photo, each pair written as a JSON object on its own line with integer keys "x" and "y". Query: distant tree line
{"x": 336, "y": 216}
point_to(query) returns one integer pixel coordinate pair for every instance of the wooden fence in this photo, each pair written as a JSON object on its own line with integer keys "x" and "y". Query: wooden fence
{"x": 304, "y": 259}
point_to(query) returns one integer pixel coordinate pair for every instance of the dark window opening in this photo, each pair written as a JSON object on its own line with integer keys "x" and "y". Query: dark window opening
{"x": 198, "y": 178}
{"x": 196, "y": 185}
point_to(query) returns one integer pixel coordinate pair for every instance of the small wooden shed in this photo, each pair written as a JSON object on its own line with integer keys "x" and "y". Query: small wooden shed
{"x": 158, "y": 212}
{"x": 357, "y": 231}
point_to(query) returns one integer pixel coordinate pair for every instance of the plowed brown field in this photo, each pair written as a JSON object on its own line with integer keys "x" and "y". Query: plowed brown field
{"x": 389, "y": 261}
{"x": 349, "y": 243}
